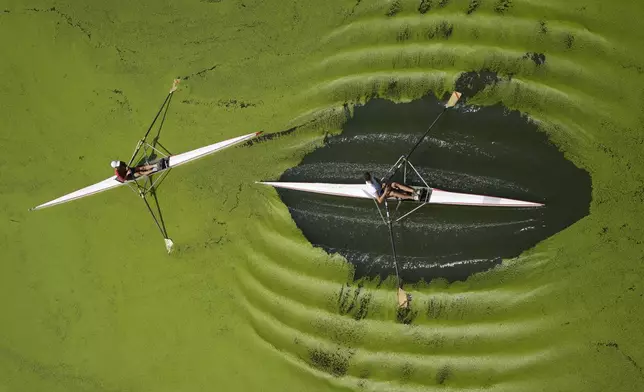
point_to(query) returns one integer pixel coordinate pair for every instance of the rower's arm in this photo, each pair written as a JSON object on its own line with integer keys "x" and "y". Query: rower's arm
{"x": 381, "y": 198}
{"x": 385, "y": 191}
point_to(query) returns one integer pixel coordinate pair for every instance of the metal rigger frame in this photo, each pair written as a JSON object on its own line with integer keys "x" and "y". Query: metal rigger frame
{"x": 151, "y": 153}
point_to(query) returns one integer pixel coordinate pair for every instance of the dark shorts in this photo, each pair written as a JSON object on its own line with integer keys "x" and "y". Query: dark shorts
{"x": 384, "y": 185}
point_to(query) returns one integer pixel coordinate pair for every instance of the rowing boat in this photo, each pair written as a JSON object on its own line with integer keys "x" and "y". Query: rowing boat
{"x": 172, "y": 162}
{"x": 151, "y": 153}
{"x": 428, "y": 195}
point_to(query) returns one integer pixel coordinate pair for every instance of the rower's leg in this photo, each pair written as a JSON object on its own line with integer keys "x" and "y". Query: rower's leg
{"x": 402, "y": 187}
{"x": 147, "y": 171}
{"x": 401, "y": 195}
{"x": 142, "y": 173}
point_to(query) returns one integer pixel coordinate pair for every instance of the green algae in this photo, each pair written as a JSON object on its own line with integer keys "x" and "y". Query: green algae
{"x": 92, "y": 303}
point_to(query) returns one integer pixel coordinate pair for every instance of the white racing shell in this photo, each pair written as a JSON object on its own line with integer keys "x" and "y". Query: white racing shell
{"x": 437, "y": 196}
{"x": 174, "y": 161}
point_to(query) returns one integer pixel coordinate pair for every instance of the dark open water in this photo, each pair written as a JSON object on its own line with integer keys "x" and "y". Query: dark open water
{"x": 487, "y": 150}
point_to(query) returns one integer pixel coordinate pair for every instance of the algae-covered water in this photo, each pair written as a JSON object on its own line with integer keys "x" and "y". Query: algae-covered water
{"x": 251, "y": 299}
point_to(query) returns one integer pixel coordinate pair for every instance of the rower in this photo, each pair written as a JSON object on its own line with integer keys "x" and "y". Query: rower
{"x": 124, "y": 173}
{"x": 380, "y": 191}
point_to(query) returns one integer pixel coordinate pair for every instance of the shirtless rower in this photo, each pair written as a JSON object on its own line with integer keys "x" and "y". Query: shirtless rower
{"x": 381, "y": 190}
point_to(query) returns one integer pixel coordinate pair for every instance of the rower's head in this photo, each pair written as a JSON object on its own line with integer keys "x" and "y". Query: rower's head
{"x": 115, "y": 164}
{"x": 367, "y": 176}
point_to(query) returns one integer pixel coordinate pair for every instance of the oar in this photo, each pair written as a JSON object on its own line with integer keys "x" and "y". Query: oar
{"x": 450, "y": 103}
{"x": 175, "y": 84}
{"x": 403, "y": 299}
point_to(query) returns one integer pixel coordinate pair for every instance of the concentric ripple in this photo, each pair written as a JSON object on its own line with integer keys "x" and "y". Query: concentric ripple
{"x": 504, "y": 329}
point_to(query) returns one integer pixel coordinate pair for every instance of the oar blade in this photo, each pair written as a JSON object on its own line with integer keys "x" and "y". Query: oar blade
{"x": 175, "y": 85}
{"x": 453, "y": 99}
{"x": 403, "y": 299}
{"x": 168, "y": 244}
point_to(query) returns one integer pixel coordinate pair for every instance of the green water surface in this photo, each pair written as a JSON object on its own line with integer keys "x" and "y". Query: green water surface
{"x": 91, "y": 302}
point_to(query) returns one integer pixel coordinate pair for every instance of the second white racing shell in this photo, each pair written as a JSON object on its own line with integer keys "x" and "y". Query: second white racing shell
{"x": 437, "y": 196}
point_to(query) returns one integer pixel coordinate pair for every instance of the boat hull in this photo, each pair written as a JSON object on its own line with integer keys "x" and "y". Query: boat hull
{"x": 173, "y": 161}
{"x": 433, "y": 195}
